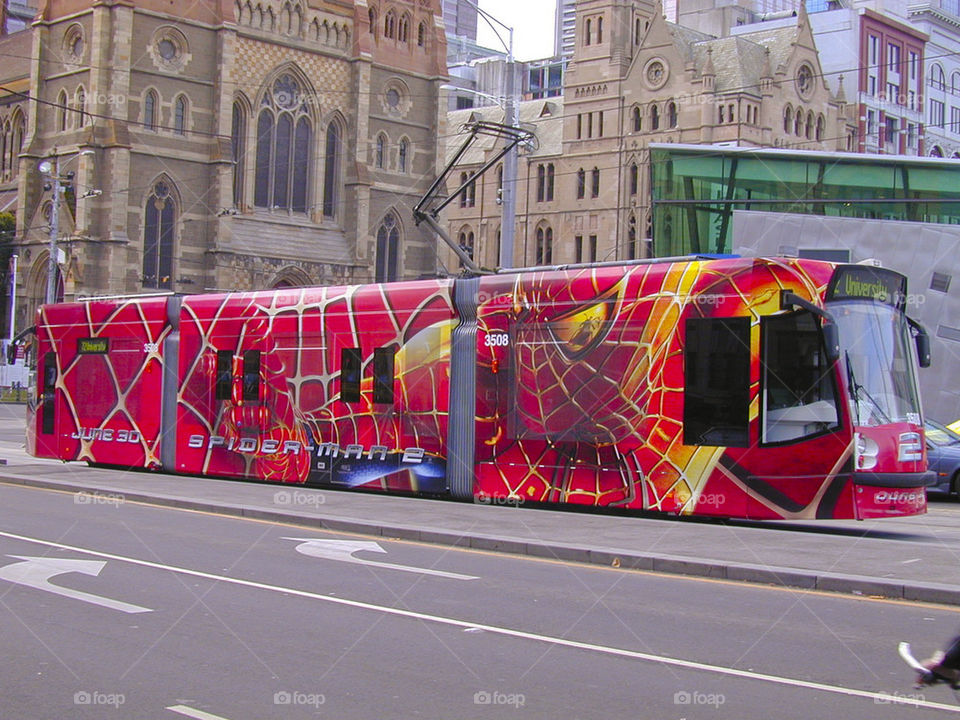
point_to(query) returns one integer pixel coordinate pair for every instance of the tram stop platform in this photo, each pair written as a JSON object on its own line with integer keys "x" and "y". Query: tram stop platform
{"x": 915, "y": 558}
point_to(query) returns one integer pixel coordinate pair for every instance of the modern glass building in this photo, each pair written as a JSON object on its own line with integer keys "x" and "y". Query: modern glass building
{"x": 696, "y": 188}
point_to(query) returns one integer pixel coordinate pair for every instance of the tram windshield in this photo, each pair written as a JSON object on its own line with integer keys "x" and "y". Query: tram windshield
{"x": 876, "y": 346}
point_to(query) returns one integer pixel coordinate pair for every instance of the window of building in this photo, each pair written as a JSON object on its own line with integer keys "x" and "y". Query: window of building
{"x": 180, "y": 115}
{"x": 390, "y": 25}
{"x": 595, "y": 183}
{"x": 284, "y": 148}
{"x": 893, "y": 58}
{"x": 388, "y": 249}
{"x": 637, "y": 120}
{"x": 403, "y": 28}
{"x": 787, "y": 119}
{"x": 541, "y": 181}
{"x": 599, "y": 30}
{"x": 936, "y": 113}
{"x": 81, "y": 107}
{"x": 654, "y": 118}
{"x": 421, "y": 35}
{"x": 955, "y": 119}
{"x": 551, "y": 176}
{"x": 634, "y": 179}
{"x": 150, "y": 111}
{"x": 578, "y": 248}
{"x": 671, "y": 114}
{"x": 581, "y": 183}
{"x": 333, "y": 153}
{"x": 159, "y": 229}
{"x": 544, "y": 246}
{"x": 588, "y": 26}
{"x": 402, "y": 152}
{"x": 380, "y": 152}
{"x": 372, "y": 15}
{"x": 937, "y": 78}
{"x": 600, "y": 124}
{"x": 238, "y": 133}
{"x": 466, "y": 243}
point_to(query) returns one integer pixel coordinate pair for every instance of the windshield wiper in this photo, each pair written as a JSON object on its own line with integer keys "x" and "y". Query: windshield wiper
{"x": 856, "y": 388}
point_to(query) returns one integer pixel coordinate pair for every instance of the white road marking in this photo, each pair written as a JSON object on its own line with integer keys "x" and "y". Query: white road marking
{"x": 877, "y": 697}
{"x": 343, "y": 550}
{"x": 36, "y": 572}
{"x": 192, "y": 713}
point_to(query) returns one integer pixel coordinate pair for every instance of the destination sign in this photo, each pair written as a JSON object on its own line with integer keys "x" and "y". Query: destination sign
{"x": 93, "y": 346}
{"x": 862, "y": 282}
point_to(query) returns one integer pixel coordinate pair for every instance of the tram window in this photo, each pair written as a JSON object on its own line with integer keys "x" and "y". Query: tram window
{"x": 717, "y": 382}
{"x": 383, "y": 375}
{"x": 799, "y": 394}
{"x": 251, "y": 375}
{"x": 224, "y": 380}
{"x": 48, "y": 393}
{"x": 350, "y": 362}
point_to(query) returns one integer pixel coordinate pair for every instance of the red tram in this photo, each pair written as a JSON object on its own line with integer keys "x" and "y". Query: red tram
{"x": 736, "y": 387}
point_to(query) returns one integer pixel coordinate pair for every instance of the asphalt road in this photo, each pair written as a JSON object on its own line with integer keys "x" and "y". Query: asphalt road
{"x": 188, "y": 614}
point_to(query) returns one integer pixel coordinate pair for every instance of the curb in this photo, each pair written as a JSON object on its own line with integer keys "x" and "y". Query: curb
{"x": 785, "y": 577}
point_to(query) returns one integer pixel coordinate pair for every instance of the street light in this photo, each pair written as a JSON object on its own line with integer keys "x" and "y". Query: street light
{"x": 51, "y": 169}
{"x": 511, "y": 109}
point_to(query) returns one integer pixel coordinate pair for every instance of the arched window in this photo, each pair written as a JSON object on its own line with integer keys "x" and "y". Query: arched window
{"x": 810, "y": 124}
{"x": 936, "y": 152}
{"x": 632, "y": 253}
{"x": 672, "y": 114}
{"x": 581, "y": 183}
{"x": 541, "y": 181}
{"x": 390, "y": 24}
{"x": 403, "y": 28}
{"x": 820, "y": 127}
{"x": 159, "y": 230}
{"x": 466, "y": 242}
{"x": 634, "y": 179}
{"x": 331, "y": 169}
{"x": 388, "y": 248}
{"x": 284, "y": 147}
{"x": 637, "y": 120}
{"x": 150, "y": 111}
{"x": 402, "y": 153}
{"x": 937, "y": 79}
{"x": 180, "y": 115}
{"x": 955, "y": 83}
{"x": 586, "y": 33}
{"x": 372, "y": 15}
{"x": 544, "y": 246}
{"x": 19, "y": 126}
{"x": 550, "y": 181}
{"x": 62, "y": 111}
{"x": 381, "y": 151}
{"x": 654, "y": 117}
{"x": 798, "y": 123}
{"x": 788, "y": 119}
{"x": 595, "y": 183}
{"x": 421, "y": 35}
{"x": 238, "y": 134}
{"x": 599, "y": 30}
{"x": 81, "y": 107}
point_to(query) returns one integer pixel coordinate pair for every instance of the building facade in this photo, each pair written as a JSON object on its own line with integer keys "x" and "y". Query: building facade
{"x": 636, "y": 79}
{"x": 225, "y": 145}
{"x": 940, "y": 20}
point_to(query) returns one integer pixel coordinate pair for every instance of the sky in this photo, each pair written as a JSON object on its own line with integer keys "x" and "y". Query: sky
{"x": 532, "y": 22}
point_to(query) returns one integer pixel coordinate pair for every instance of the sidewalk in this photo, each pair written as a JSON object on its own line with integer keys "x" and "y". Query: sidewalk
{"x": 911, "y": 558}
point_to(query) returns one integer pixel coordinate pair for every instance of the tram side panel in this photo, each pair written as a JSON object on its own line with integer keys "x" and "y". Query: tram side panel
{"x": 643, "y": 389}
{"x": 329, "y": 386}
{"x": 100, "y": 380}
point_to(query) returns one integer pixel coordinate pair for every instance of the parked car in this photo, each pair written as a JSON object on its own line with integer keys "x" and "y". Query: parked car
{"x": 943, "y": 456}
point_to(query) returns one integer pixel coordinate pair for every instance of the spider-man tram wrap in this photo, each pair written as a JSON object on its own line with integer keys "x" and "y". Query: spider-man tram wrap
{"x": 737, "y": 387}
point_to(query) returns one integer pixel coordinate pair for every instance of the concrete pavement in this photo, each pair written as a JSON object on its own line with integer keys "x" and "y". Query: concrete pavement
{"x": 910, "y": 558}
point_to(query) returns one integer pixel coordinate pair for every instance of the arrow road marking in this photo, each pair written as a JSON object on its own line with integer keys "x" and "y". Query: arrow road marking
{"x": 343, "y": 550}
{"x": 193, "y": 713}
{"x": 36, "y": 572}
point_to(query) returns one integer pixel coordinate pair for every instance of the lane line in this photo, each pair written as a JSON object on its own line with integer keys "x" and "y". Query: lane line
{"x": 192, "y": 713}
{"x": 881, "y": 698}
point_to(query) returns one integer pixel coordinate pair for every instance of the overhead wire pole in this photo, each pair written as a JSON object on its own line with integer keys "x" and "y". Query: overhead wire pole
{"x": 511, "y": 119}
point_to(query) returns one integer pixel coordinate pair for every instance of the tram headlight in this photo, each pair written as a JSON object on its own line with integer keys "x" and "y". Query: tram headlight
{"x": 866, "y": 451}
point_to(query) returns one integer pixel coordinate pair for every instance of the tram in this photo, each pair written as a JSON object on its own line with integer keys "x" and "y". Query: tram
{"x": 719, "y": 386}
